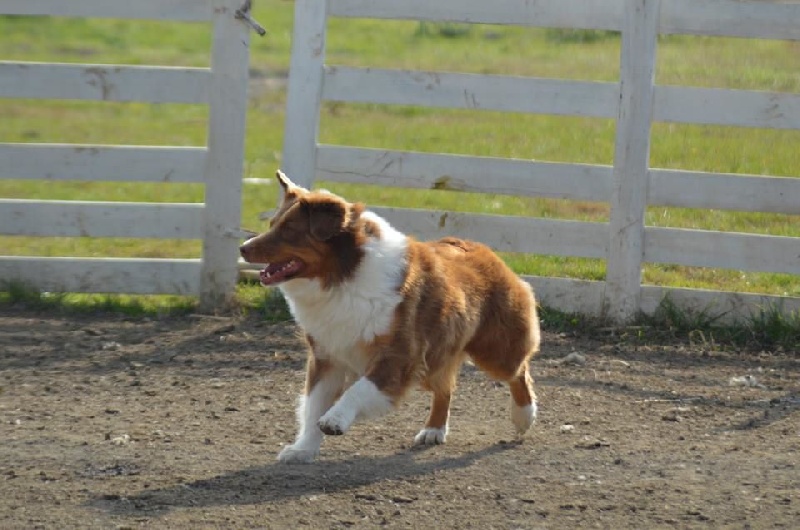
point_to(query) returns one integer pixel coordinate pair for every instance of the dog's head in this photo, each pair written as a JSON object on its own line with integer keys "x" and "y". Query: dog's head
{"x": 313, "y": 234}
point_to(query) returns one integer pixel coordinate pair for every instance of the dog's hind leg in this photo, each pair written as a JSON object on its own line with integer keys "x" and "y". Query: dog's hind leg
{"x": 523, "y": 406}
{"x": 435, "y": 430}
{"x": 442, "y": 383}
{"x": 520, "y": 382}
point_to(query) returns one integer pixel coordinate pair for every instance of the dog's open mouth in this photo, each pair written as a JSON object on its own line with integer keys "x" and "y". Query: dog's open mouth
{"x": 280, "y": 272}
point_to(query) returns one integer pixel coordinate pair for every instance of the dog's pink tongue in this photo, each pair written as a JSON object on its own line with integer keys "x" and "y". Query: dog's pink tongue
{"x": 277, "y": 272}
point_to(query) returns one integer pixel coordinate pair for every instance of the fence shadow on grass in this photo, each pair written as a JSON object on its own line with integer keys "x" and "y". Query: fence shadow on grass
{"x": 276, "y": 482}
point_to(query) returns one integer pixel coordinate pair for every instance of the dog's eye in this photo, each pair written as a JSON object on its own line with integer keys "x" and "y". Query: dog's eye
{"x": 291, "y": 231}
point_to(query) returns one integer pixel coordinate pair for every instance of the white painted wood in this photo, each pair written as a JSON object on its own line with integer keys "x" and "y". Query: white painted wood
{"x": 464, "y": 173}
{"x": 733, "y": 18}
{"x": 104, "y": 82}
{"x": 101, "y": 219}
{"x": 586, "y": 14}
{"x": 723, "y": 250}
{"x": 503, "y": 233}
{"x": 304, "y": 90}
{"x": 728, "y": 307}
{"x": 587, "y": 298}
{"x": 105, "y": 275}
{"x": 102, "y": 163}
{"x": 472, "y": 91}
{"x": 720, "y": 191}
{"x": 631, "y": 158}
{"x": 630, "y": 188}
{"x": 230, "y": 59}
{"x": 717, "y": 106}
{"x": 186, "y": 10}
{"x": 569, "y": 295}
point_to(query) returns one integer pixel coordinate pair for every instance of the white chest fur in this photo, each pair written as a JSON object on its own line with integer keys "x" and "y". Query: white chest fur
{"x": 357, "y": 310}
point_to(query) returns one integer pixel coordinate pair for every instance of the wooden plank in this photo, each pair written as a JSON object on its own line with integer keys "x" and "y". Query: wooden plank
{"x": 585, "y": 14}
{"x": 763, "y": 20}
{"x": 471, "y": 91}
{"x": 586, "y": 298}
{"x": 103, "y": 82}
{"x": 463, "y": 173}
{"x": 717, "y": 106}
{"x": 104, "y": 275}
{"x": 304, "y": 91}
{"x": 102, "y": 163}
{"x": 725, "y": 250}
{"x": 101, "y": 219}
{"x": 728, "y": 307}
{"x": 569, "y": 295}
{"x": 720, "y": 191}
{"x": 230, "y": 59}
{"x": 631, "y": 159}
{"x": 185, "y": 10}
{"x": 504, "y": 233}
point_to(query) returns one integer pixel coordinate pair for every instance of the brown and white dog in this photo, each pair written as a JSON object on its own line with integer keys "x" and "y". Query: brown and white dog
{"x": 383, "y": 313}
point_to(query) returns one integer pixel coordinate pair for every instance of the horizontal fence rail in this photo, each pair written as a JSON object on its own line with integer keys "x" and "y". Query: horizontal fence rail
{"x": 723, "y": 191}
{"x": 463, "y": 173}
{"x": 472, "y": 91}
{"x": 722, "y": 250}
{"x": 101, "y": 219}
{"x": 629, "y": 186}
{"x": 103, "y": 163}
{"x": 105, "y": 275}
{"x": 99, "y": 82}
{"x": 581, "y": 14}
{"x": 182, "y": 10}
{"x": 716, "y": 106}
{"x": 508, "y": 233}
{"x": 728, "y": 18}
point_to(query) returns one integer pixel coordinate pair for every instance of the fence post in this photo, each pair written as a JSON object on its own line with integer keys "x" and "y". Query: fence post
{"x": 224, "y": 160}
{"x": 631, "y": 160}
{"x": 305, "y": 91}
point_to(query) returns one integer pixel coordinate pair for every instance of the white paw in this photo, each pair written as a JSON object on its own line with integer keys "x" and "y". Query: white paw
{"x": 334, "y": 423}
{"x": 430, "y": 436}
{"x": 292, "y": 454}
{"x": 523, "y": 417}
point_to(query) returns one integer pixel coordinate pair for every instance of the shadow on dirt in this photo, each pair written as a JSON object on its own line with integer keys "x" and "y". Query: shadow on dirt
{"x": 275, "y": 482}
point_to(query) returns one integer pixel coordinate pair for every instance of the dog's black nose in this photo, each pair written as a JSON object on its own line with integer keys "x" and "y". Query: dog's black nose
{"x": 243, "y": 251}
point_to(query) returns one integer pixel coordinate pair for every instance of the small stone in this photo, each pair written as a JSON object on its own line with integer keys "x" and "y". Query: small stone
{"x": 399, "y": 499}
{"x": 121, "y": 439}
{"x": 566, "y": 428}
{"x": 746, "y": 380}
{"x": 575, "y": 359}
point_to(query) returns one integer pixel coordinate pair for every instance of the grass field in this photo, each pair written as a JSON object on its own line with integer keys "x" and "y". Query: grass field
{"x": 712, "y": 62}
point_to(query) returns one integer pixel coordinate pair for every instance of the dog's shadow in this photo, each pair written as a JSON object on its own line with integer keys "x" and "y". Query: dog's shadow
{"x": 275, "y": 482}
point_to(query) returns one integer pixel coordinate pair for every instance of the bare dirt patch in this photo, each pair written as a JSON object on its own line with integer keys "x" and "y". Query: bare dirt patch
{"x": 175, "y": 423}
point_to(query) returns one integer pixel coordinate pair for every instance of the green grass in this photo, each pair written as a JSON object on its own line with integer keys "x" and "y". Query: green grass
{"x": 251, "y": 298}
{"x": 768, "y": 328}
{"x": 695, "y": 61}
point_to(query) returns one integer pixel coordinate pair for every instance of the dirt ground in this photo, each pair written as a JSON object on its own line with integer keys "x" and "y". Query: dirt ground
{"x": 108, "y": 422}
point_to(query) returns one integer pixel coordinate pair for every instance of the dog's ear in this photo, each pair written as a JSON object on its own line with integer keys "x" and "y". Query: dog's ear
{"x": 290, "y": 189}
{"x": 327, "y": 216}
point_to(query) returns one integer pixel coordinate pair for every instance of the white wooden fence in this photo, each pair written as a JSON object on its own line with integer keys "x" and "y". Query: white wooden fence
{"x": 218, "y": 165}
{"x": 629, "y": 185}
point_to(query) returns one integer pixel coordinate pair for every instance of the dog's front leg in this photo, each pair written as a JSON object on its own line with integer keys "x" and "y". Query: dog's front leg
{"x": 324, "y": 381}
{"x": 372, "y": 396}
